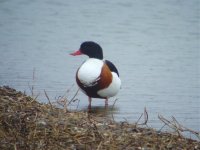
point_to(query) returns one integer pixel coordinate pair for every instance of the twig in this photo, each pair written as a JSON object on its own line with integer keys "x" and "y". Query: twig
{"x": 174, "y": 124}
{"x": 36, "y": 115}
{"x": 34, "y": 98}
{"x": 146, "y": 117}
{"x": 48, "y": 99}
{"x": 33, "y": 78}
{"x": 33, "y": 81}
{"x": 99, "y": 146}
{"x": 72, "y": 99}
{"x": 139, "y": 119}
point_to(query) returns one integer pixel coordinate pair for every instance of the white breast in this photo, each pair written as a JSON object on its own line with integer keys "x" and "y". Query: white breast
{"x": 89, "y": 71}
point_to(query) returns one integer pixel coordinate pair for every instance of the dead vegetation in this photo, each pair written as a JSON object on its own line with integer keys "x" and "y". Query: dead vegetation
{"x": 28, "y": 124}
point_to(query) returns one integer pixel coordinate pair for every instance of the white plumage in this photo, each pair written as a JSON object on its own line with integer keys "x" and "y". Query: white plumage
{"x": 90, "y": 71}
{"x": 113, "y": 88}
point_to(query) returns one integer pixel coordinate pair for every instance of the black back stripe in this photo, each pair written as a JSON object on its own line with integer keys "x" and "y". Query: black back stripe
{"x": 111, "y": 66}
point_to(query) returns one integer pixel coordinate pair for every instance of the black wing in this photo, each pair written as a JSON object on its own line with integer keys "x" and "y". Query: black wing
{"x": 112, "y": 67}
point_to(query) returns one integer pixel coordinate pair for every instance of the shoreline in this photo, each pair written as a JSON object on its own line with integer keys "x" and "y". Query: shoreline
{"x": 27, "y": 124}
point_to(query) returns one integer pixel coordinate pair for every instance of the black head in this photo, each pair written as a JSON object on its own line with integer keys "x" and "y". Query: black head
{"x": 92, "y": 49}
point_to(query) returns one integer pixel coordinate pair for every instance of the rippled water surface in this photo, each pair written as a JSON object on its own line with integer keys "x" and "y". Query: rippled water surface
{"x": 154, "y": 44}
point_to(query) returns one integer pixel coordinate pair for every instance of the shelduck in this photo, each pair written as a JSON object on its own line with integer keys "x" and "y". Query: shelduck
{"x": 96, "y": 77}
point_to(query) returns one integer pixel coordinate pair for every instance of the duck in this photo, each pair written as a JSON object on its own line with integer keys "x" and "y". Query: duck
{"x": 96, "y": 77}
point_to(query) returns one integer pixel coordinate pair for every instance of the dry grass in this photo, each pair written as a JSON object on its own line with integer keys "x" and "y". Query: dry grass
{"x": 27, "y": 124}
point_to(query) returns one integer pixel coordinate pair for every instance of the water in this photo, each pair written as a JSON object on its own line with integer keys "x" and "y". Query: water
{"x": 154, "y": 44}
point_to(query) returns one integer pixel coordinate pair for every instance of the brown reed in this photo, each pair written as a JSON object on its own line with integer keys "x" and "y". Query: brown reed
{"x": 27, "y": 124}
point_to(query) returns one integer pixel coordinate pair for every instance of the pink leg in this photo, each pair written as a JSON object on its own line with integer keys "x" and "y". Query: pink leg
{"x": 90, "y": 100}
{"x": 106, "y": 102}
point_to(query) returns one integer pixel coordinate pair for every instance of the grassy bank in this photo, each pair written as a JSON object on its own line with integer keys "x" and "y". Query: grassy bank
{"x": 28, "y": 124}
